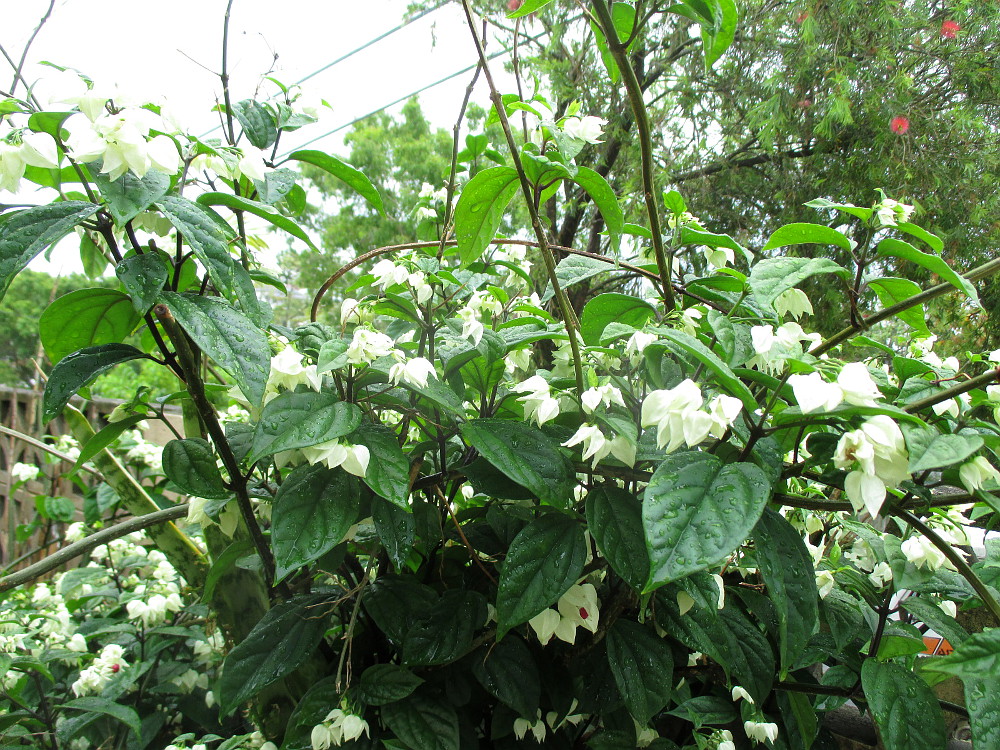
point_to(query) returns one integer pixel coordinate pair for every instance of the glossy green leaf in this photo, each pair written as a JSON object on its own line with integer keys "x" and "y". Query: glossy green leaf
{"x": 893, "y": 248}
{"x": 225, "y": 335}
{"x": 906, "y": 712}
{"x": 696, "y": 511}
{"x": 606, "y": 201}
{"x": 129, "y": 196}
{"x": 724, "y": 374}
{"x": 643, "y": 667}
{"x": 423, "y": 723}
{"x": 80, "y": 369}
{"x": 931, "y": 449}
{"x": 481, "y": 208}
{"x": 86, "y": 317}
{"x": 388, "y": 468}
{"x": 772, "y": 276}
{"x": 982, "y": 697}
{"x": 396, "y": 602}
{"x": 977, "y": 657}
{"x": 892, "y": 291}
{"x": 787, "y": 569}
{"x": 612, "y": 307}
{"x": 261, "y": 210}
{"x": 544, "y": 560}
{"x": 807, "y": 234}
{"x": 444, "y": 633}
{"x": 527, "y": 7}
{"x": 285, "y": 637}
{"x": 526, "y": 455}
{"x": 718, "y": 36}
{"x": 576, "y": 268}
{"x": 257, "y": 121}
{"x": 301, "y": 419}
{"x": 105, "y": 437}
{"x": 313, "y": 510}
{"x": 614, "y": 518}
{"x": 24, "y": 234}
{"x": 143, "y": 277}
{"x": 345, "y": 172}
{"x": 396, "y": 529}
{"x": 932, "y": 240}
{"x": 95, "y": 704}
{"x": 929, "y": 613}
{"x": 386, "y": 683}
{"x": 706, "y": 710}
{"x": 190, "y": 464}
{"x": 507, "y": 670}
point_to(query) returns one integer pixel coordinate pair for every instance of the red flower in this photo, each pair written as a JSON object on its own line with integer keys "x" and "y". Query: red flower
{"x": 899, "y": 125}
{"x": 949, "y": 29}
{"x": 513, "y": 5}
{"x": 801, "y": 17}
{"x": 804, "y": 103}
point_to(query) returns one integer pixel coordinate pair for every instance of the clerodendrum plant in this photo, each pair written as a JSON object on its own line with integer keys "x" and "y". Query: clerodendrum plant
{"x": 472, "y": 515}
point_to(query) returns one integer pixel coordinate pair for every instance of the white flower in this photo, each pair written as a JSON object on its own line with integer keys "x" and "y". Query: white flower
{"x": 738, "y": 693}
{"x": 77, "y": 643}
{"x": 856, "y": 382}
{"x": 881, "y": 574}
{"x": 588, "y": 129}
{"x": 539, "y": 404}
{"x": 107, "y": 664}
{"x": 949, "y": 608}
{"x": 472, "y": 327}
{"x": 424, "y": 212}
{"x": 25, "y": 472}
{"x": 577, "y": 608}
{"x": 603, "y": 394}
{"x": 637, "y": 342}
{"x": 813, "y": 393}
{"x": 723, "y": 410}
{"x": 889, "y": 212}
{"x": 288, "y": 370}
{"x": 879, "y": 449}
{"x": 594, "y": 442}
{"x": 793, "y": 302}
{"x": 251, "y": 164}
{"x": 724, "y": 738}
{"x": 761, "y": 731}
{"x": 367, "y": 345}
{"x": 537, "y": 727}
{"x": 352, "y": 458}
{"x": 119, "y": 139}
{"x": 388, "y": 274}
{"x": 623, "y": 449}
{"x": 519, "y": 359}
{"x": 824, "y": 582}
{"x": 421, "y": 289}
{"x": 675, "y": 414}
{"x": 921, "y": 552}
{"x": 977, "y": 472}
{"x": 718, "y": 257}
{"x": 949, "y": 406}
{"x": 414, "y": 371}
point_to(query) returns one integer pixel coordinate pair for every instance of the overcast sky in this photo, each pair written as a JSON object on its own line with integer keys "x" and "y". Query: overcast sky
{"x": 173, "y": 48}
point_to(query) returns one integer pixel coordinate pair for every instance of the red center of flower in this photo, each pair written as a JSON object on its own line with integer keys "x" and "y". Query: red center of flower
{"x": 899, "y": 125}
{"x": 583, "y": 614}
{"x": 115, "y": 667}
{"x": 949, "y": 29}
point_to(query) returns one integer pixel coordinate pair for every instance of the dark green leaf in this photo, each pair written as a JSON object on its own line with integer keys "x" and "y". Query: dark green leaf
{"x": 481, "y": 208}
{"x": 261, "y": 210}
{"x": 934, "y": 617}
{"x": 931, "y": 449}
{"x": 612, "y": 308}
{"x": 283, "y": 639}
{"x": 977, "y": 657}
{"x": 190, "y": 464}
{"x": 361, "y": 184}
{"x": 238, "y": 346}
{"x": 723, "y": 373}
{"x": 906, "y": 712}
{"x": 143, "y": 277}
{"x": 80, "y": 369}
{"x": 605, "y": 199}
{"x": 509, "y": 673}
{"x": 526, "y": 455}
{"x": 706, "y": 710}
{"x": 982, "y": 696}
{"x": 395, "y": 528}
{"x": 257, "y": 121}
{"x": 894, "y": 248}
{"x": 806, "y": 234}
{"x": 94, "y": 704}
{"x": 614, "y": 518}
{"x": 388, "y": 469}
{"x": 576, "y": 268}
{"x": 129, "y": 196}
{"x": 444, "y": 633}
{"x": 787, "y": 569}
{"x": 24, "y": 234}
{"x": 643, "y": 667}
{"x": 394, "y": 603}
{"x": 86, "y": 317}
{"x": 423, "y": 723}
{"x": 386, "y": 683}
{"x": 301, "y": 419}
{"x": 313, "y": 509}
{"x": 773, "y": 276}
{"x": 543, "y": 561}
{"x": 697, "y": 510}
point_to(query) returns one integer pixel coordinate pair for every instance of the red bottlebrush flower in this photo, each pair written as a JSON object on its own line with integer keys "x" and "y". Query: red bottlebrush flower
{"x": 949, "y": 29}
{"x": 899, "y": 125}
{"x": 804, "y": 103}
{"x": 513, "y": 5}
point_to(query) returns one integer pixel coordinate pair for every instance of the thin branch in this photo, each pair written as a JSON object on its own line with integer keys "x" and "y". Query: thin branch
{"x": 24, "y": 53}
{"x": 48, "y": 449}
{"x": 990, "y": 376}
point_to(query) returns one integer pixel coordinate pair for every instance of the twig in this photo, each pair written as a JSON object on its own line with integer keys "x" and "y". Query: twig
{"x": 986, "y": 378}
{"x": 82, "y": 547}
{"x": 48, "y": 449}
{"x": 24, "y": 53}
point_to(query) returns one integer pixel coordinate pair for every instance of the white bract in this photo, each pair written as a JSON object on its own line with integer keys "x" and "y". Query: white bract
{"x": 793, "y": 302}
{"x": 588, "y": 128}
{"x": 761, "y": 731}
{"x": 539, "y": 404}
{"x": 595, "y": 444}
{"x": 333, "y": 453}
{"x": 577, "y": 608}
{"x": 603, "y": 394}
{"x": 977, "y": 472}
{"x": 879, "y": 451}
{"x": 121, "y": 140}
{"x": 367, "y": 345}
{"x": 414, "y": 371}
{"x": 288, "y": 370}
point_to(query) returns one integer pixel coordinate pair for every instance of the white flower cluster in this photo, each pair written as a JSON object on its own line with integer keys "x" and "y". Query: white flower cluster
{"x": 93, "y": 679}
{"x": 337, "y": 728}
{"x": 23, "y": 148}
{"x": 854, "y": 385}
{"x": 889, "y": 213}
{"x": 679, "y": 418}
{"x": 772, "y": 347}
{"x": 478, "y": 304}
{"x": 24, "y": 472}
{"x": 577, "y": 608}
{"x": 878, "y": 452}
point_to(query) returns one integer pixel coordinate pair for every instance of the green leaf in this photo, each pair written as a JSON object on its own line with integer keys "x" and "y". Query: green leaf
{"x": 893, "y": 248}
{"x": 257, "y": 121}
{"x": 80, "y": 369}
{"x": 143, "y": 277}
{"x": 423, "y": 723}
{"x": 301, "y": 419}
{"x": 892, "y": 291}
{"x": 906, "y": 712}
{"x": 706, "y": 710}
{"x": 614, "y": 518}
{"x": 105, "y": 437}
{"x": 718, "y": 37}
{"x": 480, "y": 210}
{"x": 544, "y": 560}
{"x": 643, "y": 667}
{"x": 932, "y": 615}
{"x": 977, "y": 657}
{"x": 395, "y": 528}
{"x": 690, "y": 236}
{"x": 772, "y": 276}
{"x": 576, "y": 268}
{"x": 605, "y": 199}
{"x": 787, "y": 569}
{"x": 388, "y": 469}
{"x": 93, "y": 704}
{"x": 394, "y": 603}
{"x": 129, "y": 196}
{"x": 696, "y": 511}
{"x": 86, "y": 317}
{"x": 933, "y": 241}
{"x": 345, "y": 172}
{"x": 807, "y": 234}
{"x": 527, "y": 7}
{"x": 285, "y": 637}
{"x": 190, "y": 464}
{"x": 526, "y": 455}
{"x": 508, "y": 672}
{"x": 386, "y": 683}
{"x": 225, "y": 335}
{"x": 982, "y": 697}
{"x": 444, "y": 633}
{"x": 261, "y": 210}
{"x": 931, "y": 449}
{"x": 612, "y": 307}
{"x": 24, "y": 234}
{"x": 224, "y": 563}
{"x": 724, "y": 375}
{"x": 313, "y": 510}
